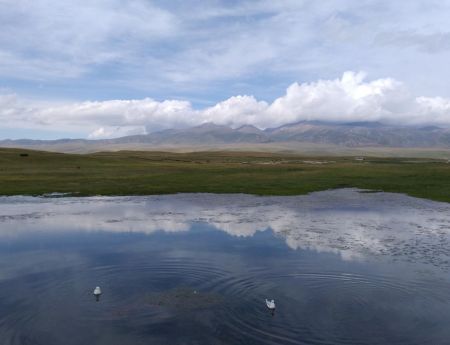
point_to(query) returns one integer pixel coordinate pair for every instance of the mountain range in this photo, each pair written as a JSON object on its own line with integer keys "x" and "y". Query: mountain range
{"x": 346, "y": 135}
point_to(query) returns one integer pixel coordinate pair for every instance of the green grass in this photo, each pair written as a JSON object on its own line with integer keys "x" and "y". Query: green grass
{"x": 141, "y": 173}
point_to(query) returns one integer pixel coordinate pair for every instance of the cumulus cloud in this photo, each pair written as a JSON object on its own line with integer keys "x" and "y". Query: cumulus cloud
{"x": 345, "y": 99}
{"x": 349, "y": 98}
{"x": 235, "y": 111}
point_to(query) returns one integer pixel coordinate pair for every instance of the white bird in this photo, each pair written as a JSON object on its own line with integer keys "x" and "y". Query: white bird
{"x": 270, "y": 304}
{"x": 97, "y": 291}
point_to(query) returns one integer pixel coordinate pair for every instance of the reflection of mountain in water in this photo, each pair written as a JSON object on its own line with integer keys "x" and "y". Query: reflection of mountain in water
{"x": 352, "y": 224}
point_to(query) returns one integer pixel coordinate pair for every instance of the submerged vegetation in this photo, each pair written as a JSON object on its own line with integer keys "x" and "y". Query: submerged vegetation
{"x": 139, "y": 173}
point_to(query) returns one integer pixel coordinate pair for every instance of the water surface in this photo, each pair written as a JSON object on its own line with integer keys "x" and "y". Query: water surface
{"x": 344, "y": 267}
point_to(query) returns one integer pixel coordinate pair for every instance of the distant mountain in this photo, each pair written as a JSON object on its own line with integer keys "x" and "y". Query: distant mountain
{"x": 362, "y": 134}
{"x": 355, "y": 135}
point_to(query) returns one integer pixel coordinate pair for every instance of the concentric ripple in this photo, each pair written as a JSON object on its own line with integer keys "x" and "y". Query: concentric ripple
{"x": 197, "y": 270}
{"x": 313, "y": 307}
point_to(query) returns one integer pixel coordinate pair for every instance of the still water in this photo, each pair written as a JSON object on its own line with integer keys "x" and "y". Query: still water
{"x": 344, "y": 267}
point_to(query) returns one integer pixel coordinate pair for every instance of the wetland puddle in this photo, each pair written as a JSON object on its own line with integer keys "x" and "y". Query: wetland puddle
{"x": 344, "y": 267}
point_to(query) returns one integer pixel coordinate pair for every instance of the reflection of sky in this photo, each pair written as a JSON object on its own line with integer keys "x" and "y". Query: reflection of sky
{"x": 351, "y": 224}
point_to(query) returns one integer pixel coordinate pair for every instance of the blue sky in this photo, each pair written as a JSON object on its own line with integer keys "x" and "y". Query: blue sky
{"x": 106, "y": 68}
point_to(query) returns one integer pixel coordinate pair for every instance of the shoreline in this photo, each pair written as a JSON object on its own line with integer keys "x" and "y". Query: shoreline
{"x": 68, "y": 195}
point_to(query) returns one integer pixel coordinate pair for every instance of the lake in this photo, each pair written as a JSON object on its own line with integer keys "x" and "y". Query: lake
{"x": 343, "y": 266}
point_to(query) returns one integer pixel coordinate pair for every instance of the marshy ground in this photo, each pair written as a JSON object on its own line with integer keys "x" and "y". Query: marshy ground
{"x": 144, "y": 173}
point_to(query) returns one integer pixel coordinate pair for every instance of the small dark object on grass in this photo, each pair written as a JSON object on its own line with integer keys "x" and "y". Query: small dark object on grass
{"x": 24, "y": 155}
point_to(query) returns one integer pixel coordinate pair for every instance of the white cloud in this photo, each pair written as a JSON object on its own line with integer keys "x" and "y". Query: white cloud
{"x": 118, "y": 112}
{"x": 434, "y": 107}
{"x": 349, "y": 98}
{"x": 235, "y": 111}
{"x": 115, "y": 132}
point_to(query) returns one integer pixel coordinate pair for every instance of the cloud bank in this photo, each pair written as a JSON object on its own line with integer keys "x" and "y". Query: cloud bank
{"x": 346, "y": 99}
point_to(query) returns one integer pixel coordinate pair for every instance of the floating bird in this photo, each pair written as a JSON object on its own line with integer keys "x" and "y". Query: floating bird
{"x": 97, "y": 291}
{"x": 270, "y": 304}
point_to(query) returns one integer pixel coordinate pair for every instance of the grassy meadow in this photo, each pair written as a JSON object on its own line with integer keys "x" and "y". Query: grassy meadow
{"x": 139, "y": 173}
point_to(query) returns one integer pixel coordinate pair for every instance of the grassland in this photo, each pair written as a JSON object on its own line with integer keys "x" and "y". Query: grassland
{"x": 139, "y": 173}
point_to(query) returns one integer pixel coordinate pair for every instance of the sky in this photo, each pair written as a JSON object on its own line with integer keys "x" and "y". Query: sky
{"x": 109, "y": 68}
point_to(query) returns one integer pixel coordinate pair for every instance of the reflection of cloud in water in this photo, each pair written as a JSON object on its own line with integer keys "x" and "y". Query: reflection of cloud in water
{"x": 352, "y": 224}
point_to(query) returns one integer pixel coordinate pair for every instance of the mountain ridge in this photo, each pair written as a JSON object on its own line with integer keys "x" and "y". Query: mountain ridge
{"x": 352, "y": 134}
